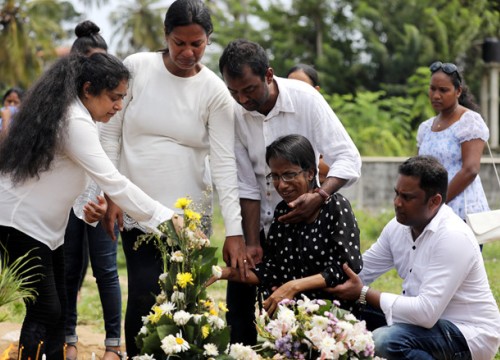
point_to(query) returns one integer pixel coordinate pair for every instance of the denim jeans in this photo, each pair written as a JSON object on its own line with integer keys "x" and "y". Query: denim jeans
{"x": 102, "y": 252}
{"x": 443, "y": 341}
{"x": 45, "y": 316}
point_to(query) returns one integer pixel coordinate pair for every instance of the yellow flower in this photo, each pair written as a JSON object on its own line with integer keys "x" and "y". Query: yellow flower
{"x": 223, "y": 307}
{"x": 156, "y": 315}
{"x": 205, "y": 331}
{"x": 182, "y": 203}
{"x": 213, "y": 311}
{"x": 183, "y": 279}
{"x": 192, "y": 215}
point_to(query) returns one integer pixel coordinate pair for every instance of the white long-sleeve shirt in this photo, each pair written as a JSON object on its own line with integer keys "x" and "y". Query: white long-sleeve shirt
{"x": 299, "y": 109}
{"x": 168, "y": 128}
{"x": 40, "y": 207}
{"x": 443, "y": 278}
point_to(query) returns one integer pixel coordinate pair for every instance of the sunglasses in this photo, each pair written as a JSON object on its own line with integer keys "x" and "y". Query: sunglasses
{"x": 448, "y": 68}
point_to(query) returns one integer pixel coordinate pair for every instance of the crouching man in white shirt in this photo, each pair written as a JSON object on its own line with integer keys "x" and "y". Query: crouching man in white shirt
{"x": 446, "y": 309}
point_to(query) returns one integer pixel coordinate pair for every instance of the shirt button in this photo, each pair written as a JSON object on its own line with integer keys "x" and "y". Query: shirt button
{"x": 411, "y": 270}
{"x": 404, "y": 292}
{"x": 414, "y": 247}
{"x": 268, "y": 193}
{"x": 268, "y": 213}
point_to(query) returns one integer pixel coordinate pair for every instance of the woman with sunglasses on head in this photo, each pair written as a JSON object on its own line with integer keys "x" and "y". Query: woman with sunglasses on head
{"x": 303, "y": 258}
{"x": 456, "y": 137}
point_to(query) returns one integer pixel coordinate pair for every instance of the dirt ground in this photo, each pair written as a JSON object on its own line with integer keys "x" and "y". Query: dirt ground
{"x": 89, "y": 342}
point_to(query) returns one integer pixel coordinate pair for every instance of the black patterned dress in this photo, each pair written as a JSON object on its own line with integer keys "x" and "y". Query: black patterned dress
{"x": 294, "y": 251}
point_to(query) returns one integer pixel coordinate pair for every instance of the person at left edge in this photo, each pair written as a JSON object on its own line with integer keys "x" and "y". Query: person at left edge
{"x": 178, "y": 114}
{"x": 57, "y": 152}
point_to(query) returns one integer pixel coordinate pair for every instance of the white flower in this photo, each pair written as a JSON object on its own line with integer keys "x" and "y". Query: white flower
{"x": 144, "y": 357}
{"x": 241, "y": 352}
{"x": 178, "y": 296}
{"x": 216, "y": 271}
{"x": 167, "y": 307}
{"x": 316, "y": 336}
{"x": 163, "y": 277}
{"x": 177, "y": 256}
{"x": 145, "y": 320}
{"x": 309, "y": 306}
{"x": 216, "y": 322}
{"x": 197, "y": 318}
{"x": 319, "y": 321}
{"x": 182, "y": 317}
{"x": 144, "y": 330}
{"x": 210, "y": 350}
{"x": 174, "y": 344}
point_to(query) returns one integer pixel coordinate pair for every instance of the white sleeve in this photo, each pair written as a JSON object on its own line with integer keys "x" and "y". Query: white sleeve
{"x": 378, "y": 259}
{"x": 335, "y": 144}
{"x": 222, "y": 160}
{"x": 444, "y": 273}
{"x": 84, "y": 148}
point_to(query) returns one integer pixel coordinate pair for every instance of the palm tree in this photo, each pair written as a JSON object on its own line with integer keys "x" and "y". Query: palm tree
{"x": 30, "y": 30}
{"x": 139, "y": 26}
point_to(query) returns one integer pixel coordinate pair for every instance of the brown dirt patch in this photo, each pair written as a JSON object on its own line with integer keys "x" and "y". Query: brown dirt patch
{"x": 90, "y": 341}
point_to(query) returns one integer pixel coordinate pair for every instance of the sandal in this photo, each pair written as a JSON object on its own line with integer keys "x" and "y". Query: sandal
{"x": 75, "y": 351}
{"x": 116, "y": 352}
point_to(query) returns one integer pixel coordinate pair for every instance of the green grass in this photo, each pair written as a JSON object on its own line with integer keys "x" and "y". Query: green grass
{"x": 90, "y": 312}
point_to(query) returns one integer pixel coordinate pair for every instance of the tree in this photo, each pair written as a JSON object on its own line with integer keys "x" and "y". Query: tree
{"x": 140, "y": 26}
{"x": 29, "y": 32}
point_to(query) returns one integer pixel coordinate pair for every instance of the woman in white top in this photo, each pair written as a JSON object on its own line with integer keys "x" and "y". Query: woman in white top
{"x": 175, "y": 133}
{"x": 46, "y": 161}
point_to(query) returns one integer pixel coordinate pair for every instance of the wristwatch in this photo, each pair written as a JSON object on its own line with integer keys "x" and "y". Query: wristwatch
{"x": 362, "y": 296}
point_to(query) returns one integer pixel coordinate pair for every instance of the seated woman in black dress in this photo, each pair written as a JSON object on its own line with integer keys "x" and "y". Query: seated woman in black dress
{"x": 307, "y": 257}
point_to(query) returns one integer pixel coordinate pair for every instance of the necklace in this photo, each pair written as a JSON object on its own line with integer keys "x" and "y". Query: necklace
{"x": 439, "y": 119}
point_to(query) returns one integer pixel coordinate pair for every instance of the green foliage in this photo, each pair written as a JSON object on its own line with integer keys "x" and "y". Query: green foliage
{"x": 378, "y": 125}
{"x": 15, "y": 278}
{"x": 30, "y": 30}
{"x": 140, "y": 27}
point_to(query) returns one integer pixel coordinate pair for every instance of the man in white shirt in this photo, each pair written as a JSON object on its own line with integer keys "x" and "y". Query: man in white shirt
{"x": 268, "y": 107}
{"x": 446, "y": 308}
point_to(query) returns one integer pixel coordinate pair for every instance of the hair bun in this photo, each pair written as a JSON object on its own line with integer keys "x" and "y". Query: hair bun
{"x": 86, "y": 28}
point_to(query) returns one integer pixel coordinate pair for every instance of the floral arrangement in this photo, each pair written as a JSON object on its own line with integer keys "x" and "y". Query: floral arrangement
{"x": 313, "y": 329}
{"x": 186, "y": 323}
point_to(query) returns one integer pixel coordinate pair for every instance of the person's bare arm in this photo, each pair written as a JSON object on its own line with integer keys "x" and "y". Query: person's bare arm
{"x": 250, "y": 214}
{"x": 471, "y": 164}
{"x": 113, "y": 214}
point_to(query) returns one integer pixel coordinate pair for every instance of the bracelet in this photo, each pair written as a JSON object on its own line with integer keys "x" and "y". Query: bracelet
{"x": 362, "y": 296}
{"x": 323, "y": 193}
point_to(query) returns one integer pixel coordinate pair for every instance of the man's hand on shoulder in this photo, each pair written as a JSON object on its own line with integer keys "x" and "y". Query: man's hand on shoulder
{"x": 305, "y": 206}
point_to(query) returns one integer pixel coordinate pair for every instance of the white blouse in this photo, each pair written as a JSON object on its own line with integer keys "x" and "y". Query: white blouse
{"x": 40, "y": 207}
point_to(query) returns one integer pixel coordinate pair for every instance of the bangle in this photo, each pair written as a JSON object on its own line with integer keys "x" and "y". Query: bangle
{"x": 362, "y": 296}
{"x": 323, "y": 193}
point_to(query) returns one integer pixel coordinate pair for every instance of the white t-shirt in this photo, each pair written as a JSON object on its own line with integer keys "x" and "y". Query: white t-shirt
{"x": 167, "y": 130}
{"x": 299, "y": 109}
{"x": 40, "y": 207}
{"x": 443, "y": 278}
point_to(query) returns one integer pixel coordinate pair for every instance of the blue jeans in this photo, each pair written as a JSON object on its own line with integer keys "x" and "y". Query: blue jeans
{"x": 443, "y": 341}
{"x": 43, "y": 325}
{"x": 102, "y": 252}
